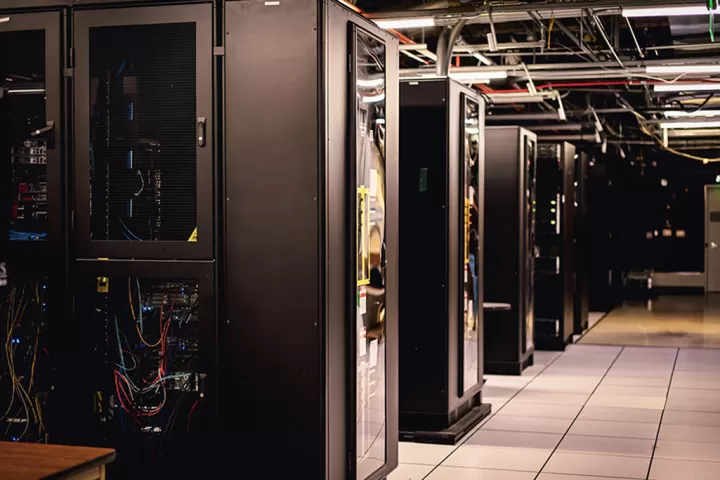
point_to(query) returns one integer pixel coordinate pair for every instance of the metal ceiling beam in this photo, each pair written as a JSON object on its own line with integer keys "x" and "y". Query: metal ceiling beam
{"x": 576, "y": 41}
{"x": 518, "y": 11}
{"x": 603, "y": 34}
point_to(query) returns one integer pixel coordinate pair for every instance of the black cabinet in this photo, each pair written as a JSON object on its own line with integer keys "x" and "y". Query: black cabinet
{"x": 555, "y": 239}
{"x": 143, "y": 100}
{"x": 510, "y": 173}
{"x": 31, "y": 146}
{"x": 441, "y": 232}
{"x": 309, "y": 334}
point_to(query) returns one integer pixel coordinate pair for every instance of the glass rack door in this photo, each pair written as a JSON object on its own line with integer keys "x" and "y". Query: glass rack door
{"x": 368, "y": 219}
{"x": 470, "y": 271}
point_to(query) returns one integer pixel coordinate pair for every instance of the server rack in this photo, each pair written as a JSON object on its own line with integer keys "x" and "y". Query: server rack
{"x": 309, "y": 332}
{"x": 32, "y": 243}
{"x": 582, "y": 244}
{"x": 555, "y": 238}
{"x": 441, "y": 223}
{"x": 510, "y": 173}
{"x": 144, "y": 235}
{"x": 31, "y": 149}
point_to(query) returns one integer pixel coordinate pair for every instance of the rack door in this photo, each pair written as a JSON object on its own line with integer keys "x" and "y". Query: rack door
{"x": 367, "y": 206}
{"x": 145, "y": 336}
{"x": 30, "y": 146}
{"x": 143, "y": 130}
{"x": 471, "y": 272}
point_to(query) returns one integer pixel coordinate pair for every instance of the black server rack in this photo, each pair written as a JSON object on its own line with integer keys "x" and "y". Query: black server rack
{"x": 309, "y": 332}
{"x": 143, "y": 240}
{"x": 441, "y": 234}
{"x": 582, "y": 243}
{"x": 32, "y": 230}
{"x": 555, "y": 240}
{"x": 510, "y": 173}
{"x": 31, "y": 148}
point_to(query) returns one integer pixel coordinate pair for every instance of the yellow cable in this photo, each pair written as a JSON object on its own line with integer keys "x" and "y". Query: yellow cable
{"x": 40, "y": 417}
{"x": 550, "y": 28}
{"x": 132, "y": 309}
{"x": 32, "y": 367}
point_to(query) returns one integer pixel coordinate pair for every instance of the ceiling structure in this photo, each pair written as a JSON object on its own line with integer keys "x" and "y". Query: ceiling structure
{"x": 611, "y": 73}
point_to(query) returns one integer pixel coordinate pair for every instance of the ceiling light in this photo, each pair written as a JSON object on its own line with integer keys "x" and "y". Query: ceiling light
{"x": 711, "y": 124}
{"x": 478, "y": 75}
{"x": 4, "y": 19}
{"x": 680, "y": 69}
{"x": 666, "y": 11}
{"x": 687, "y": 87}
{"x": 370, "y": 82}
{"x": 373, "y": 98}
{"x": 698, "y": 113}
{"x": 400, "y": 23}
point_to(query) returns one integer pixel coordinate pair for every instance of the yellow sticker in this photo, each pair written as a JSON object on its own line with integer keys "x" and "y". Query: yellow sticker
{"x": 193, "y": 237}
{"x": 103, "y": 284}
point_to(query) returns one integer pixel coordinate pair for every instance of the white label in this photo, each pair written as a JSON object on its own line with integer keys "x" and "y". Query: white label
{"x": 466, "y": 273}
{"x": 373, "y": 182}
{"x": 373, "y": 353}
{"x": 362, "y": 303}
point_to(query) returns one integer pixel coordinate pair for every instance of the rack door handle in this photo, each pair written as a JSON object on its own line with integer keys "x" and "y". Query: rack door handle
{"x": 48, "y": 127}
{"x": 201, "y": 132}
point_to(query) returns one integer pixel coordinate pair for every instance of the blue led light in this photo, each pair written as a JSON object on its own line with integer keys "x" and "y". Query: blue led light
{"x": 14, "y": 439}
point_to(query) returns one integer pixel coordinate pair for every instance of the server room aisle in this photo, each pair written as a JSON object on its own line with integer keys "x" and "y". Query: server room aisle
{"x": 591, "y": 413}
{"x": 669, "y": 321}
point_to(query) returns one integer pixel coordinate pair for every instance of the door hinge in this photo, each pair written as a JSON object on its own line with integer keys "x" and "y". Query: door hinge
{"x": 219, "y": 51}
{"x": 72, "y": 220}
{"x": 68, "y": 72}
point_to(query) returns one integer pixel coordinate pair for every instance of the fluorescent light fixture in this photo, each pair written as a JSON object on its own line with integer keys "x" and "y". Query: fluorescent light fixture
{"x": 4, "y": 19}
{"x": 699, "y": 113}
{"x": 400, "y": 23}
{"x": 666, "y": 11}
{"x": 477, "y": 76}
{"x": 373, "y": 98}
{"x": 25, "y": 91}
{"x": 680, "y": 69}
{"x": 370, "y": 82}
{"x": 711, "y": 124}
{"x": 687, "y": 87}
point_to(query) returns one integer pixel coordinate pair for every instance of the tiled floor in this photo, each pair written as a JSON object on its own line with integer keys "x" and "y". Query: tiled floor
{"x": 671, "y": 321}
{"x": 591, "y": 413}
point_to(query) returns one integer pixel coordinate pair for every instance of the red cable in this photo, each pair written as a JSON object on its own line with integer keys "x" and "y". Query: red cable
{"x": 192, "y": 409}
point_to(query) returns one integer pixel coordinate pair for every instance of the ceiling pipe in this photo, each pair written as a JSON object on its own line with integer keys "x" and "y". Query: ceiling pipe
{"x": 582, "y": 137}
{"x": 446, "y": 42}
{"x": 563, "y": 126}
{"x": 524, "y": 116}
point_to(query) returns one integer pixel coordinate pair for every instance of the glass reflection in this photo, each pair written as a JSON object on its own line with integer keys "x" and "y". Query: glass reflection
{"x": 530, "y": 248}
{"x": 471, "y": 267}
{"x": 370, "y": 242}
